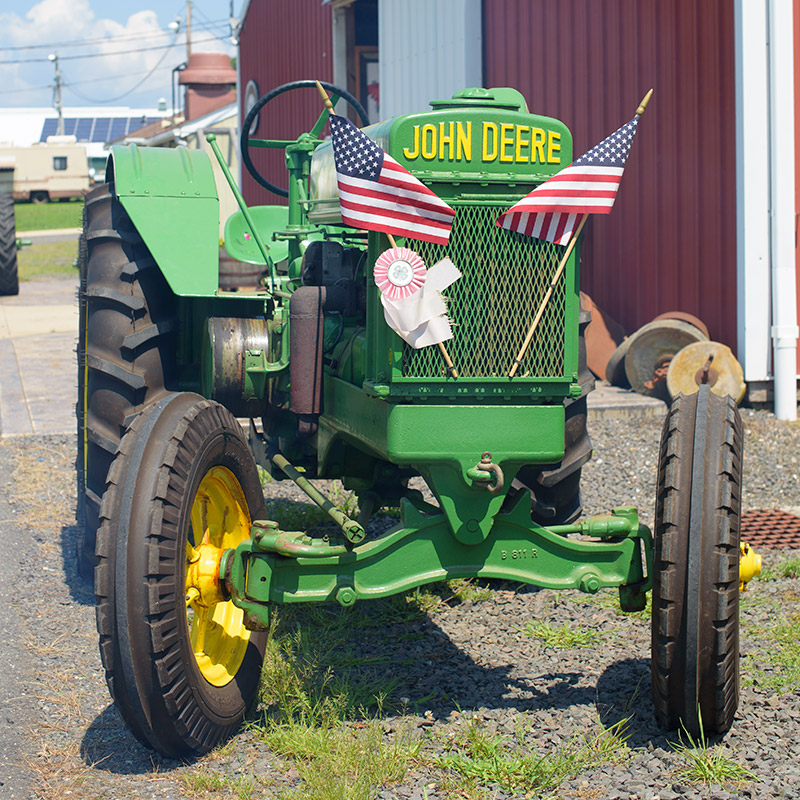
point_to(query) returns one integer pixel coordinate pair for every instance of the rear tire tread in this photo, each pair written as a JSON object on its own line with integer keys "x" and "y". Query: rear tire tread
{"x": 120, "y": 296}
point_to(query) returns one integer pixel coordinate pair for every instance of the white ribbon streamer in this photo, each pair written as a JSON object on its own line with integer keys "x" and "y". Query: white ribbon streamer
{"x": 420, "y": 319}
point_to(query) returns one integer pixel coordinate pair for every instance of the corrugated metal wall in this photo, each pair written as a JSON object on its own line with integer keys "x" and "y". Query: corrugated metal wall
{"x": 670, "y": 241}
{"x": 281, "y": 41}
{"x": 428, "y": 51}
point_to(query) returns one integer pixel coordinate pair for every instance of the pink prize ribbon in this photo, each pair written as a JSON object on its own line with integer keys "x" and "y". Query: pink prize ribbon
{"x": 399, "y": 272}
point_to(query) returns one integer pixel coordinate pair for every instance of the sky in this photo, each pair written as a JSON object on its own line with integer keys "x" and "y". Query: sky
{"x": 110, "y": 52}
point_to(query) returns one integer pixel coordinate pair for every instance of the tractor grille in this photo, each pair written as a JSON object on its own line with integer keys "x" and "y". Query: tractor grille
{"x": 504, "y": 279}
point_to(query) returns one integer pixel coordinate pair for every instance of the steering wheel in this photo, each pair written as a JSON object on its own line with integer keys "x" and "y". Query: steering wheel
{"x": 245, "y": 139}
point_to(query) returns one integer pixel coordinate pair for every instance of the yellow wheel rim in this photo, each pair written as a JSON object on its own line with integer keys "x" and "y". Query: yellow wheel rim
{"x": 219, "y": 520}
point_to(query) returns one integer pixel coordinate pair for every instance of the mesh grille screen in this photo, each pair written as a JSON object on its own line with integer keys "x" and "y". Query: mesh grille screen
{"x": 504, "y": 279}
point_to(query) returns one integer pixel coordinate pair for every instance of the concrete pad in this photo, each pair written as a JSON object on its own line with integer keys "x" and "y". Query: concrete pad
{"x": 18, "y": 321}
{"x": 611, "y": 401}
{"x": 15, "y": 419}
{"x": 38, "y": 373}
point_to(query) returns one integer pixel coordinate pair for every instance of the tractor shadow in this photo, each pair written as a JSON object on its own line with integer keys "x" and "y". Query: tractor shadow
{"x": 386, "y": 649}
{"x": 81, "y": 591}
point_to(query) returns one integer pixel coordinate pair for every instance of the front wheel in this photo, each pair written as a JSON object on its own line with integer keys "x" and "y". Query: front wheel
{"x": 695, "y": 623}
{"x": 180, "y": 664}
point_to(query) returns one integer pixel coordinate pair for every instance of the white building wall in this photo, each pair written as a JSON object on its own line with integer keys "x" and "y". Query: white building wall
{"x": 428, "y": 50}
{"x": 767, "y": 324}
{"x": 752, "y": 190}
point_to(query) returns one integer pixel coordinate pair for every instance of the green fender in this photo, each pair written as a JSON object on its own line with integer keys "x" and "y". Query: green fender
{"x": 170, "y": 195}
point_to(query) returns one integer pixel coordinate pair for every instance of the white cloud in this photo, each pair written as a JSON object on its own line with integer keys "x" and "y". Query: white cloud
{"x": 123, "y": 53}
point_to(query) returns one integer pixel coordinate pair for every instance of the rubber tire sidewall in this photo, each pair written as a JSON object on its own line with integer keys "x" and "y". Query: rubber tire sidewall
{"x": 9, "y": 277}
{"x": 156, "y": 660}
{"x": 696, "y": 575}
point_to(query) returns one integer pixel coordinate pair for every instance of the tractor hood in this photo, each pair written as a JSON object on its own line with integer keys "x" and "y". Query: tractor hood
{"x": 476, "y": 138}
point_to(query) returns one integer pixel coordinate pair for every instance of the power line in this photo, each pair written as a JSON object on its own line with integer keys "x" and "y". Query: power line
{"x": 75, "y": 83}
{"x": 110, "y": 53}
{"x": 102, "y": 40}
{"x": 124, "y": 94}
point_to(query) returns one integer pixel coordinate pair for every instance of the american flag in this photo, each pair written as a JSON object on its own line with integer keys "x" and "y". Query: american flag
{"x": 377, "y": 194}
{"x": 587, "y": 186}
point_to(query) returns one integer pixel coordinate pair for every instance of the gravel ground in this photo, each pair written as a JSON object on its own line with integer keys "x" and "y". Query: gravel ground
{"x": 61, "y": 736}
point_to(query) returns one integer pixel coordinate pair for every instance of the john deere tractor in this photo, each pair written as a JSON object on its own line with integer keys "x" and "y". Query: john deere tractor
{"x": 185, "y": 389}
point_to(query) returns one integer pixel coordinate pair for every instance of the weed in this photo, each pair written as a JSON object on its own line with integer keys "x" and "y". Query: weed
{"x": 443, "y": 595}
{"x": 788, "y": 568}
{"x": 563, "y": 637}
{"x": 704, "y": 764}
{"x": 482, "y": 758}
{"x": 783, "y": 654}
{"x": 241, "y": 787}
{"x": 610, "y": 600}
{"x": 345, "y": 762}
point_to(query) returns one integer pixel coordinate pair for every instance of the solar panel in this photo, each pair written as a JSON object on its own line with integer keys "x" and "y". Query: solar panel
{"x": 101, "y": 126}
{"x": 83, "y": 130}
{"x": 48, "y": 129}
{"x": 95, "y": 129}
{"x": 119, "y": 127}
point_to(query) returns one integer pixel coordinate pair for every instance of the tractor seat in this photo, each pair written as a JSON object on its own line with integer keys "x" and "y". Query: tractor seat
{"x": 240, "y": 242}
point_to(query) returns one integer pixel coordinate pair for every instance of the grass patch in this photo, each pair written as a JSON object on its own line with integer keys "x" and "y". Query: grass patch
{"x": 703, "y": 764}
{"x": 304, "y": 515}
{"x": 610, "y": 600}
{"x": 48, "y": 216}
{"x": 319, "y": 708}
{"x": 783, "y": 657}
{"x": 207, "y": 782}
{"x": 481, "y": 758}
{"x": 443, "y": 595}
{"x": 47, "y": 260}
{"x": 787, "y": 568}
{"x": 561, "y": 637}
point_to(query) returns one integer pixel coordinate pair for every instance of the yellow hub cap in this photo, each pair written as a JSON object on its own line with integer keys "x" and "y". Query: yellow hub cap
{"x": 219, "y": 520}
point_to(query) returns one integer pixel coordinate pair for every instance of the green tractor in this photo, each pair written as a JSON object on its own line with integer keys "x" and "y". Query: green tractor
{"x": 186, "y": 564}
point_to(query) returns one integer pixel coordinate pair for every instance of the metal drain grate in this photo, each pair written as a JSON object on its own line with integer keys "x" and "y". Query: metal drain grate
{"x": 773, "y": 529}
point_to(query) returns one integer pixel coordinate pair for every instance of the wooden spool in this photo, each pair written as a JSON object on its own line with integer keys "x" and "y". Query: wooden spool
{"x": 706, "y": 362}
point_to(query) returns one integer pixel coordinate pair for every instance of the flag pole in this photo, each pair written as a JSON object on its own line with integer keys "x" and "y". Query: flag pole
{"x": 325, "y": 99}
{"x": 518, "y": 360}
{"x": 442, "y": 349}
{"x": 567, "y": 253}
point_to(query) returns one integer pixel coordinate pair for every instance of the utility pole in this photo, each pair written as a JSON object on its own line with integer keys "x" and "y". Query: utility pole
{"x": 188, "y": 30}
{"x": 57, "y": 94}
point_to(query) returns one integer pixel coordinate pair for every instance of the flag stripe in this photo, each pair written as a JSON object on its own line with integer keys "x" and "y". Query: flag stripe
{"x": 360, "y": 189}
{"x": 377, "y": 193}
{"x": 397, "y": 214}
{"x": 587, "y": 186}
{"x": 380, "y": 222}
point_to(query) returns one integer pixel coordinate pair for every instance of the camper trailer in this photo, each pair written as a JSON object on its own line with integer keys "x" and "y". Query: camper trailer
{"x": 50, "y": 170}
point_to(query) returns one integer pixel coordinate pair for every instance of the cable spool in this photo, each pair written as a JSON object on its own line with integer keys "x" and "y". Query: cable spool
{"x": 709, "y": 363}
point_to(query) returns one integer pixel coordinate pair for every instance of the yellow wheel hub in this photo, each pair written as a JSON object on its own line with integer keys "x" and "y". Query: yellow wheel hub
{"x": 219, "y": 520}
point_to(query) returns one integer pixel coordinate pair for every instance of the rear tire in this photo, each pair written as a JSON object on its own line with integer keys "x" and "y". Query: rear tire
{"x": 9, "y": 279}
{"x": 182, "y": 676}
{"x": 126, "y": 349}
{"x": 695, "y": 622}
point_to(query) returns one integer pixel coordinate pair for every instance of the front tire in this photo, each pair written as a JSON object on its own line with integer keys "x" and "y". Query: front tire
{"x": 182, "y": 669}
{"x": 695, "y": 622}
